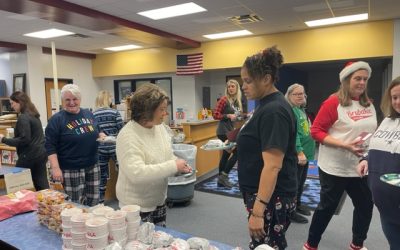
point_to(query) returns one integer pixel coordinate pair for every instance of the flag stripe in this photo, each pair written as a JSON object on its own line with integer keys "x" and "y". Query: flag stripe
{"x": 189, "y": 64}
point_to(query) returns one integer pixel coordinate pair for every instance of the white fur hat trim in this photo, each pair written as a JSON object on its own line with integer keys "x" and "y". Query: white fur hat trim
{"x": 348, "y": 70}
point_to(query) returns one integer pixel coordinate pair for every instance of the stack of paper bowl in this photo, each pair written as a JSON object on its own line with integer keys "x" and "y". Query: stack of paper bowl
{"x": 117, "y": 226}
{"x": 101, "y": 211}
{"x": 78, "y": 230}
{"x": 97, "y": 233}
{"x": 66, "y": 225}
{"x": 133, "y": 219}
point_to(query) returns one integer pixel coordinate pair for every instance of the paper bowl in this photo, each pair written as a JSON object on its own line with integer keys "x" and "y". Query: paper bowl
{"x": 66, "y": 231}
{"x": 117, "y": 234}
{"x": 78, "y": 238}
{"x": 97, "y": 243}
{"x": 79, "y": 246}
{"x": 96, "y": 227}
{"x": 78, "y": 222}
{"x": 101, "y": 211}
{"x": 132, "y": 212}
{"x": 116, "y": 219}
{"x": 67, "y": 242}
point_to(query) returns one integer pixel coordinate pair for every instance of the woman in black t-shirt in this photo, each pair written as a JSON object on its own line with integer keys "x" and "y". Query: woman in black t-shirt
{"x": 267, "y": 152}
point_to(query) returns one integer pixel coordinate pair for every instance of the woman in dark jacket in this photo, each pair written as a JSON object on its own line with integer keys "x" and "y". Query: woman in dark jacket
{"x": 29, "y": 139}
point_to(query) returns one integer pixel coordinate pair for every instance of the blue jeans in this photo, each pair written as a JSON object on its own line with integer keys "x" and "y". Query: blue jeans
{"x": 392, "y": 233}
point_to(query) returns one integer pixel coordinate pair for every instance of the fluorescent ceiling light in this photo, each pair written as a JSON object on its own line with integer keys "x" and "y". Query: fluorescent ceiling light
{"x": 228, "y": 34}
{"x": 123, "y": 47}
{"x": 172, "y": 11}
{"x": 335, "y": 20}
{"x": 50, "y": 33}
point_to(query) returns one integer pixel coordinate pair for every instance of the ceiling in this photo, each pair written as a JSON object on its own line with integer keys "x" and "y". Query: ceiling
{"x": 106, "y": 23}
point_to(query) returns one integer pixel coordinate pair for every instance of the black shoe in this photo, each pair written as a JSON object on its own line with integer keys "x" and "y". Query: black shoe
{"x": 297, "y": 218}
{"x": 223, "y": 181}
{"x": 303, "y": 210}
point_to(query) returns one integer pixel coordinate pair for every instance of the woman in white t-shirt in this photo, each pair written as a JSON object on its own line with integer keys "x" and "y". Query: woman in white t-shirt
{"x": 340, "y": 120}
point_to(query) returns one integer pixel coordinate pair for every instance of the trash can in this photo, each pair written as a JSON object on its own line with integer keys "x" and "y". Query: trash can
{"x": 181, "y": 187}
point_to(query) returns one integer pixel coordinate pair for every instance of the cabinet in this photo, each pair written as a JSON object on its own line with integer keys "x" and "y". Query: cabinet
{"x": 5, "y": 106}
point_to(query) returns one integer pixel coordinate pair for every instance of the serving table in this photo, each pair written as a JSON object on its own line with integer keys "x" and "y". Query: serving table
{"x": 26, "y": 233}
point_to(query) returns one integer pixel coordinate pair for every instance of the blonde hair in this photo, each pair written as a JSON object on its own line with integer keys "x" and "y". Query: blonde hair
{"x": 344, "y": 93}
{"x": 290, "y": 90}
{"x": 237, "y": 97}
{"x": 386, "y": 104}
{"x": 103, "y": 99}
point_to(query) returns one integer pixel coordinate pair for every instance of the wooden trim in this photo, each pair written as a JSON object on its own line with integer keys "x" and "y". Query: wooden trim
{"x": 61, "y": 52}
{"x": 72, "y": 7}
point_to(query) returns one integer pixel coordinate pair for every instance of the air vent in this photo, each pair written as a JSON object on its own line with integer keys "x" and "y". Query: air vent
{"x": 79, "y": 36}
{"x": 245, "y": 19}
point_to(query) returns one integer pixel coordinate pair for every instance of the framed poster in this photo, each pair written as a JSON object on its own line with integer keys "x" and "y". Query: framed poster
{"x": 19, "y": 82}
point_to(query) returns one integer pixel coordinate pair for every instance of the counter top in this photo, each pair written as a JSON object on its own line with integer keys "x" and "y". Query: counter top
{"x": 198, "y": 122}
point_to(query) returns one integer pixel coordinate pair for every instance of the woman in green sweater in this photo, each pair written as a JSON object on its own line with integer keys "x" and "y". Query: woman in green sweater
{"x": 305, "y": 145}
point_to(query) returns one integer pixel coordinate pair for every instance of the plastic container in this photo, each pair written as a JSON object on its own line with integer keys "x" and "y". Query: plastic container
{"x": 181, "y": 187}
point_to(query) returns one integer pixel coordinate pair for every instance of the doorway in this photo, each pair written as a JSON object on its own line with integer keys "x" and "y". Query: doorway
{"x": 50, "y": 94}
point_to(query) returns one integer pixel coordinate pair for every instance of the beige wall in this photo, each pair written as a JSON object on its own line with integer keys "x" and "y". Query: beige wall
{"x": 371, "y": 39}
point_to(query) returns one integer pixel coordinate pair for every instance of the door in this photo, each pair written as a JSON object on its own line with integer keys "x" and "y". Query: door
{"x": 50, "y": 94}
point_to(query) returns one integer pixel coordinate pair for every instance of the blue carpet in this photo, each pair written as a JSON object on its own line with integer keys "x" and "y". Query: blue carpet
{"x": 309, "y": 198}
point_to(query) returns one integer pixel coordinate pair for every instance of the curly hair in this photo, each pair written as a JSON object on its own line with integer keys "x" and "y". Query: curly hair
{"x": 266, "y": 62}
{"x": 25, "y": 103}
{"x": 145, "y": 101}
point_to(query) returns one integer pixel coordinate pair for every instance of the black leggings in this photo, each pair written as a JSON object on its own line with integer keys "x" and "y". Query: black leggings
{"x": 226, "y": 163}
{"x": 332, "y": 188}
{"x": 38, "y": 171}
{"x": 301, "y": 179}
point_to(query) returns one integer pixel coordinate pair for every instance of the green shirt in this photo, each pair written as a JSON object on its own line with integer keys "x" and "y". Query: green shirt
{"x": 304, "y": 141}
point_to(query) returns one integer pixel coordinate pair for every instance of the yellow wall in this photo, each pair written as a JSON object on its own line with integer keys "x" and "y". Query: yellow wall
{"x": 371, "y": 39}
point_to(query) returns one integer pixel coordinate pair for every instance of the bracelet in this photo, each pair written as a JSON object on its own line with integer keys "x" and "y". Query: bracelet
{"x": 262, "y": 201}
{"x": 255, "y": 215}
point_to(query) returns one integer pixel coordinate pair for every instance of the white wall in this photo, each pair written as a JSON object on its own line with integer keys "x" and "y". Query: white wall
{"x": 77, "y": 69}
{"x": 5, "y": 71}
{"x": 38, "y": 66}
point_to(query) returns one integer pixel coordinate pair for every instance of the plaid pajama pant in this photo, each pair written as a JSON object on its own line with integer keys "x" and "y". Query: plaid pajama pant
{"x": 104, "y": 156}
{"x": 82, "y": 185}
{"x": 157, "y": 217}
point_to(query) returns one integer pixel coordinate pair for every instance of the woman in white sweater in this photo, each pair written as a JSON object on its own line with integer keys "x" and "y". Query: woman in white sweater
{"x": 145, "y": 156}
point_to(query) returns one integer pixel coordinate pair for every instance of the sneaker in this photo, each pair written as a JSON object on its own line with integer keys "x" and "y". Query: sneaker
{"x": 354, "y": 247}
{"x": 298, "y": 218}
{"x": 308, "y": 247}
{"x": 303, "y": 210}
{"x": 223, "y": 181}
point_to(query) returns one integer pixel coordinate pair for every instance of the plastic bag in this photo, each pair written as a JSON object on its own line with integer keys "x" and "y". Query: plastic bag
{"x": 17, "y": 203}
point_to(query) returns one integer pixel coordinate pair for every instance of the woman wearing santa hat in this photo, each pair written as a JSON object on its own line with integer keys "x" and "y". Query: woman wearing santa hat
{"x": 341, "y": 119}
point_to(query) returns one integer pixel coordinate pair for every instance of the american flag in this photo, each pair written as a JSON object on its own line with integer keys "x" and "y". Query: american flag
{"x": 189, "y": 64}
